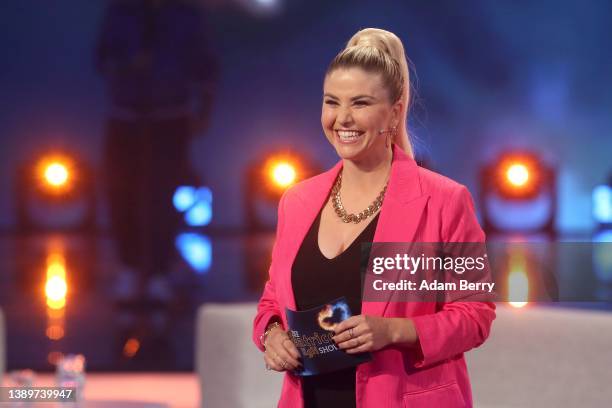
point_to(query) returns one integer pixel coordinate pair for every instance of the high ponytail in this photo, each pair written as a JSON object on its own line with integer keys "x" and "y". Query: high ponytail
{"x": 381, "y": 51}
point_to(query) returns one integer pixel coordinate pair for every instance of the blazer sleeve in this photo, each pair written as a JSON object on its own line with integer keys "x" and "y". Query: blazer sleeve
{"x": 268, "y": 308}
{"x": 458, "y": 326}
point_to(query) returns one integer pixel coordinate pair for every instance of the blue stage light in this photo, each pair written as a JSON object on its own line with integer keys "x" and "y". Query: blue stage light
{"x": 204, "y": 194}
{"x": 603, "y": 236}
{"x": 196, "y": 249}
{"x": 199, "y": 215}
{"x": 184, "y": 198}
{"x": 602, "y": 204}
{"x": 195, "y": 203}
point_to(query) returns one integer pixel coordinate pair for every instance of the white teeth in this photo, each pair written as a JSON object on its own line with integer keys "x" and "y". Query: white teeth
{"x": 348, "y": 134}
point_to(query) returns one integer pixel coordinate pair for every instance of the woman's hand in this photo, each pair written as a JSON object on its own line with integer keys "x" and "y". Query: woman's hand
{"x": 281, "y": 354}
{"x": 362, "y": 333}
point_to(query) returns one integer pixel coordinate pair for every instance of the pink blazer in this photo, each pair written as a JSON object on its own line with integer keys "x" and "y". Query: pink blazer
{"x": 419, "y": 206}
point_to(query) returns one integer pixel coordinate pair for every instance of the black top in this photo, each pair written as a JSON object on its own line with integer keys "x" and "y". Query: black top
{"x": 316, "y": 281}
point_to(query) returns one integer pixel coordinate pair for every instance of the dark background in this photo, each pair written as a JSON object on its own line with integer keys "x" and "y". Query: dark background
{"x": 491, "y": 75}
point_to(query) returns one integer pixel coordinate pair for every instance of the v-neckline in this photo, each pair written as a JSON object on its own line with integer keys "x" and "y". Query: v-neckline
{"x": 318, "y": 227}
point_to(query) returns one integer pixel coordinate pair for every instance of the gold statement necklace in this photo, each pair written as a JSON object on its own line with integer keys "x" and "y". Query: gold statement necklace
{"x": 354, "y": 218}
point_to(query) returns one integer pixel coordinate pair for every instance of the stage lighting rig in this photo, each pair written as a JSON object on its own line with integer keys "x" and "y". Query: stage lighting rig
{"x": 265, "y": 182}
{"x": 54, "y": 191}
{"x": 518, "y": 193}
{"x": 602, "y": 206}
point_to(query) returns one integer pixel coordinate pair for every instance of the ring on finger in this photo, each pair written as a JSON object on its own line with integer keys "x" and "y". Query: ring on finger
{"x": 351, "y": 332}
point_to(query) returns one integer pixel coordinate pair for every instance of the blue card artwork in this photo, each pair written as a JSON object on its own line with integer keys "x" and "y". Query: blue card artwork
{"x": 312, "y": 331}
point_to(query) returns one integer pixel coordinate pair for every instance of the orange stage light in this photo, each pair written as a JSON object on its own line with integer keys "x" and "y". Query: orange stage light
{"x": 518, "y": 280}
{"x": 518, "y": 185}
{"x": 56, "y": 174}
{"x": 518, "y": 287}
{"x": 131, "y": 347}
{"x": 55, "y": 332}
{"x": 56, "y": 289}
{"x": 281, "y": 172}
{"x": 266, "y": 179}
{"x": 56, "y": 286}
{"x": 55, "y": 190}
{"x": 518, "y": 176}
{"x": 54, "y": 357}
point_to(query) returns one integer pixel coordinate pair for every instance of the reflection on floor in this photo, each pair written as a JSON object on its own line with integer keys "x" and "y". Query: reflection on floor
{"x": 68, "y": 294}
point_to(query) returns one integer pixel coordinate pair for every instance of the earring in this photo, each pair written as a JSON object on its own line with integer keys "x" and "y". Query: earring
{"x": 389, "y": 135}
{"x": 392, "y": 135}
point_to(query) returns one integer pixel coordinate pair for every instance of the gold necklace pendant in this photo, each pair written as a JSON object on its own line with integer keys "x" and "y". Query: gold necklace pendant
{"x": 354, "y": 218}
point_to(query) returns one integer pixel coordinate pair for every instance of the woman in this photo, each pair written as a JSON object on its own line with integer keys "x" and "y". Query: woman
{"x": 376, "y": 193}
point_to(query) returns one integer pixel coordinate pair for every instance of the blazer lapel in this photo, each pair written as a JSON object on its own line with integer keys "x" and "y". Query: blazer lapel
{"x": 400, "y": 214}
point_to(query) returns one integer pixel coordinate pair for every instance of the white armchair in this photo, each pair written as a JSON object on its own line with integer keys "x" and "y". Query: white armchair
{"x": 544, "y": 357}
{"x": 231, "y": 369}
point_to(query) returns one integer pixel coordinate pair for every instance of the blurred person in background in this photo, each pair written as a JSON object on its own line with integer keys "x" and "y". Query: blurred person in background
{"x": 160, "y": 73}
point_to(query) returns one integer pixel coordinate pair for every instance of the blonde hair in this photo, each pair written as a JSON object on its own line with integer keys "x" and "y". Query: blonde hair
{"x": 381, "y": 51}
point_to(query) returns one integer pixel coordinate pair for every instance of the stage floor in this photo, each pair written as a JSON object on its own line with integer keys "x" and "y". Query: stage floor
{"x": 134, "y": 390}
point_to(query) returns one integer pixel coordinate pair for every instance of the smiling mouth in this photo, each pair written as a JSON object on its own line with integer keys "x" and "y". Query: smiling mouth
{"x": 349, "y": 135}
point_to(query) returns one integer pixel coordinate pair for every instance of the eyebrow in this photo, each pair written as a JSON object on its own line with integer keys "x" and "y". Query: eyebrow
{"x": 354, "y": 98}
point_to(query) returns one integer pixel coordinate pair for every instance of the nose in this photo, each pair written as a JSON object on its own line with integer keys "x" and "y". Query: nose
{"x": 345, "y": 117}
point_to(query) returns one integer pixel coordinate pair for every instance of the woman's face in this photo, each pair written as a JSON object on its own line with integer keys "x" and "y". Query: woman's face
{"x": 356, "y": 108}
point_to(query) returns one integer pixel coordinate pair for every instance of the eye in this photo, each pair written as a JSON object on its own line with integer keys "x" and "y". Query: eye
{"x": 330, "y": 102}
{"x": 361, "y": 103}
